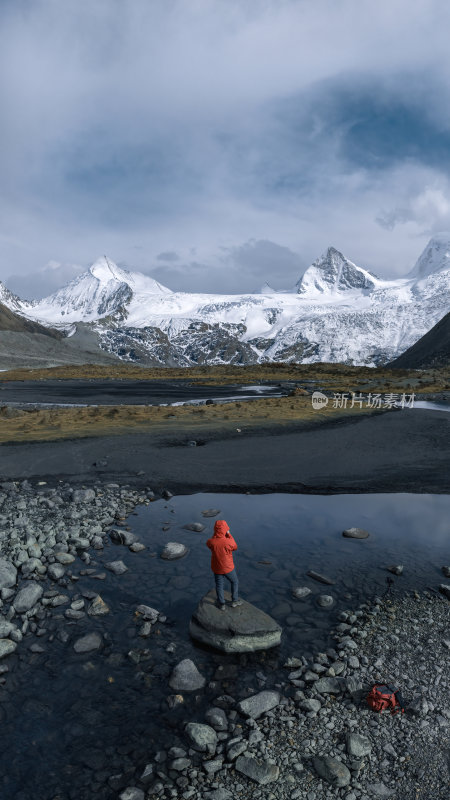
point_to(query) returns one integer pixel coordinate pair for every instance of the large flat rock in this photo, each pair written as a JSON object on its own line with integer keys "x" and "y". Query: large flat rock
{"x": 236, "y": 630}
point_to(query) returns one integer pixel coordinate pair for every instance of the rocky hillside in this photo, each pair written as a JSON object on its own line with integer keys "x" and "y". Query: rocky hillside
{"x": 25, "y": 343}
{"x": 9, "y": 321}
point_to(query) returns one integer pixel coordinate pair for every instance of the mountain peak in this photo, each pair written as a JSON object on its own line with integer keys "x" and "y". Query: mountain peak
{"x": 435, "y": 257}
{"x": 106, "y": 270}
{"x": 104, "y": 289}
{"x": 333, "y": 253}
{"x": 266, "y": 288}
{"x": 332, "y": 272}
{"x": 8, "y": 298}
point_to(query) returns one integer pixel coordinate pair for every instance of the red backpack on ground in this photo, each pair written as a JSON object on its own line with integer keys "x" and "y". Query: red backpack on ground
{"x": 382, "y": 697}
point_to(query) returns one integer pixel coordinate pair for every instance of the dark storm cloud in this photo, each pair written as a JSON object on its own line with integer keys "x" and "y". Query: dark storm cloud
{"x": 142, "y": 129}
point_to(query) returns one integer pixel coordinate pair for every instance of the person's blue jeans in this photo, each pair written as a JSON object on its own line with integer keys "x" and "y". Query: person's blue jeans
{"x": 233, "y": 579}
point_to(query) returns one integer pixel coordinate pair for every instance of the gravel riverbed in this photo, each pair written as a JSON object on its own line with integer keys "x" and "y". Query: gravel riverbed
{"x": 301, "y": 731}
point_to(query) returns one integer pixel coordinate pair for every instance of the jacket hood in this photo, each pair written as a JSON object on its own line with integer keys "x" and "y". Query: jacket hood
{"x": 220, "y": 528}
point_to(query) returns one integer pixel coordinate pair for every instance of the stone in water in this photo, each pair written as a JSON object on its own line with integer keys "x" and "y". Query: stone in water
{"x": 174, "y": 550}
{"x": 319, "y": 577}
{"x": 236, "y": 630}
{"x": 355, "y": 533}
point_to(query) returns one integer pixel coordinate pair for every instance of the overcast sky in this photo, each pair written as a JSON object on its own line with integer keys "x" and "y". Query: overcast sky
{"x": 219, "y": 144}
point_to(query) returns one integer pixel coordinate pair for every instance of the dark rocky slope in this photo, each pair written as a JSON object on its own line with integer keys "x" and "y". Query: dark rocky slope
{"x": 431, "y": 350}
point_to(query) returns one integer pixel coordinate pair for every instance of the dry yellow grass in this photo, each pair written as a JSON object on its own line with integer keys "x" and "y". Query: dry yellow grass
{"x": 59, "y": 423}
{"x": 341, "y": 376}
{"x": 68, "y": 423}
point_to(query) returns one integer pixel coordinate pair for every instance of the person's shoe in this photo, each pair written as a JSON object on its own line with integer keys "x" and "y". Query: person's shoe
{"x": 236, "y": 603}
{"x": 221, "y": 606}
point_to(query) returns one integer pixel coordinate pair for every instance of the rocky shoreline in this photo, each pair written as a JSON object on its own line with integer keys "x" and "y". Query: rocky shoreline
{"x": 313, "y": 736}
{"x": 298, "y": 733}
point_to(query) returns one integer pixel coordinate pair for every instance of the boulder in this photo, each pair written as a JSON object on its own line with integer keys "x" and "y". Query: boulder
{"x": 32, "y": 565}
{"x": 317, "y": 576}
{"x": 117, "y": 567}
{"x": 324, "y": 600}
{"x": 201, "y": 737}
{"x": 120, "y": 536}
{"x": 358, "y": 746}
{"x": 55, "y": 571}
{"x": 332, "y": 771}
{"x": 444, "y": 589}
{"x": 446, "y": 571}
{"x": 355, "y": 533}
{"x": 180, "y": 764}
{"x": 59, "y": 600}
{"x": 217, "y": 718}
{"x": 174, "y": 550}
{"x": 92, "y": 641}
{"x": 132, "y": 793}
{"x": 83, "y": 495}
{"x": 137, "y": 547}
{"x": 80, "y": 543}
{"x": 147, "y": 613}
{"x": 98, "y": 607}
{"x": 330, "y": 685}
{"x": 300, "y": 592}
{"x": 380, "y": 790}
{"x": 244, "y": 629}
{"x": 236, "y": 748}
{"x": 198, "y": 527}
{"x": 293, "y": 663}
{"x": 258, "y": 771}
{"x": 5, "y": 628}
{"x": 148, "y": 773}
{"x": 186, "y": 677}
{"x": 310, "y": 705}
{"x": 72, "y": 613}
{"x": 8, "y": 574}
{"x": 174, "y": 700}
{"x": 396, "y": 569}
{"x": 65, "y": 558}
{"x": 259, "y": 704}
{"x": 6, "y": 647}
{"x": 213, "y": 765}
{"x": 27, "y": 597}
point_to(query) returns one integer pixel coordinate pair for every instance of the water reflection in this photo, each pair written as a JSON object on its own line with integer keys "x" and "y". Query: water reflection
{"x": 106, "y": 713}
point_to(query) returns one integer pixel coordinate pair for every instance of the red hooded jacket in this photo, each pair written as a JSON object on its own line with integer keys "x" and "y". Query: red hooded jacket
{"x": 221, "y": 545}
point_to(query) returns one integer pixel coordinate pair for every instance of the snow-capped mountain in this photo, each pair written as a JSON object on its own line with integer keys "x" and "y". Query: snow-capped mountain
{"x": 9, "y": 299}
{"x": 102, "y": 290}
{"x": 266, "y": 288}
{"x": 335, "y": 273}
{"x": 435, "y": 258}
{"x": 338, "y": 311}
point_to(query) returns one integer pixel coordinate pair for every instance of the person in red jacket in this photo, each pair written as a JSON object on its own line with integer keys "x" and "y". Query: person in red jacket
{"x": 222, "y": 546}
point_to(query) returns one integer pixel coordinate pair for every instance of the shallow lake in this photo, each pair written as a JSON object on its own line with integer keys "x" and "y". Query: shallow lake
{"x": 292, "y": 534}
{"x": 70, "y": 721}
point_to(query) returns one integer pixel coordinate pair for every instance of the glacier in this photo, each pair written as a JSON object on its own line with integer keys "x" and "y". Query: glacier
{"x": 337, "y": 312}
